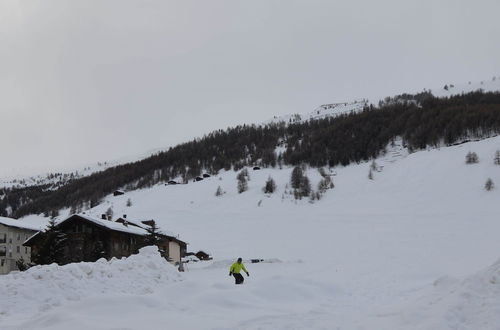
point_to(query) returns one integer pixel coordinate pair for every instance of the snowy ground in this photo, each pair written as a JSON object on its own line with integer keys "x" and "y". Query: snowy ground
{"x": 408, "y": 250}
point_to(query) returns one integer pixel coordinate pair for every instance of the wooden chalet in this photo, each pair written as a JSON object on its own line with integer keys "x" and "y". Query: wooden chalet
{"x": 89, "y": 239}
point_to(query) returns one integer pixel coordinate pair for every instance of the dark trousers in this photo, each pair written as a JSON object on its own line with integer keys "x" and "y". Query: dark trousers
{"x": 238, "y": 278}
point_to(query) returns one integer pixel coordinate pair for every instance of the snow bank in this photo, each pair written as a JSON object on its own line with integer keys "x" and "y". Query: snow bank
{"x": 43, "y": 287}
{"x": 473, "y": 303}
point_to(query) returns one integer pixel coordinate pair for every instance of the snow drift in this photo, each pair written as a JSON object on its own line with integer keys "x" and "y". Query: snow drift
{"x": 471, "y": 303}
{"x": 43, "y": 287}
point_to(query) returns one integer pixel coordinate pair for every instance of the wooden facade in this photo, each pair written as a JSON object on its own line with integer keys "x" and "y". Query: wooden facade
{"x": 90, "y": 239}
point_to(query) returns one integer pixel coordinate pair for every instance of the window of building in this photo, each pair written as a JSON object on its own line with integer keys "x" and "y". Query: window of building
{"x": 2, "y": 262}
{"x": 18, "y": 249}
{"x": 26, "y": 249}
{"x": 18, "y": 236}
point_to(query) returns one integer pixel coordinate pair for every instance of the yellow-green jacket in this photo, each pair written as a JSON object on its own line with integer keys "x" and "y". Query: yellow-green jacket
{"x": 236, "y": 268}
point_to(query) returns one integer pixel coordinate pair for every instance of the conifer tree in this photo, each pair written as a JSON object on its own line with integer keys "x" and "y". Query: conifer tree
{"x": 219, "y": 191}
{"x": 489, "y": 185}
{"x": 153, "y": 236}
{"x": 471, "y": 158}
{"x": 296, "y": 178}
{"x": 270, "y": 186}
{"x": 305, "y": 187}
{"x": 325, "y": 184}
{"x": 242, "y": 181}
{"x": 496, "y": 160}
{"x": 300, "y": 183}
{"x": 52, "y": 247}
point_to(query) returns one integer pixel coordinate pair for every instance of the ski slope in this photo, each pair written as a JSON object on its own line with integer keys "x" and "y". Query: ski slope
{"x": 415, "y": 248}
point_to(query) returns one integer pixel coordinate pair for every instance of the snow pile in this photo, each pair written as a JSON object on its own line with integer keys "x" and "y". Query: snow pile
{"x": 473, "y": 303}
{"x": 43, "y": 287}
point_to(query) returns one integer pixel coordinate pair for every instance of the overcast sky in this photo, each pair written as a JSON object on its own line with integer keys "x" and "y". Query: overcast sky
{"x": 83, "y": 81}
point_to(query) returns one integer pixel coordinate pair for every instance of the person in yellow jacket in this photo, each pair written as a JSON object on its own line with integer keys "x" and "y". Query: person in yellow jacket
{"x": 235, "y": 270}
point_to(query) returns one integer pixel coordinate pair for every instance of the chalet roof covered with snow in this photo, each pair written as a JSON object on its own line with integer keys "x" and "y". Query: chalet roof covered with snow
{"x": 136, "y": 227}
{"x": 109, "y": 224}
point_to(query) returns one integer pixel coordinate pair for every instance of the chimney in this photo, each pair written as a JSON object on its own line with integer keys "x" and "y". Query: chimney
{"x": 124, "y": 216}
{"x": 104, "y": 216}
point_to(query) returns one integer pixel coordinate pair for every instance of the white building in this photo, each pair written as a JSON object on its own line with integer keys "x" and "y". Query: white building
{"x": 13, "y": 233}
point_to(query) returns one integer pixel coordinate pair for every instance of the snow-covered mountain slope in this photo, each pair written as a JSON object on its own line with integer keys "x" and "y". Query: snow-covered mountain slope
{"x": 61, "y": 176}
{"x": 323, "y": 111}
{"x": 371, "y": 254}
{"x": 340, "y": 108}
{"x": 489, "y": 85}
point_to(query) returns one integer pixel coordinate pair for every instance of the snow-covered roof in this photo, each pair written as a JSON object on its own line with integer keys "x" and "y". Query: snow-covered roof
{"x": 21, "y": 224}
{"x": 138, "y": 229}
{"x": 140, "y": 224}
{"x": 112, "y": 225}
